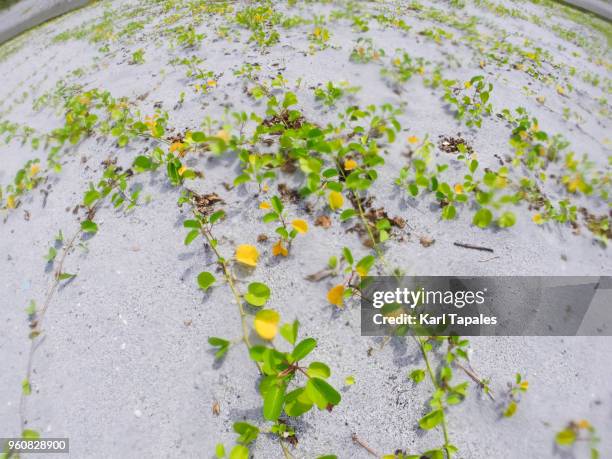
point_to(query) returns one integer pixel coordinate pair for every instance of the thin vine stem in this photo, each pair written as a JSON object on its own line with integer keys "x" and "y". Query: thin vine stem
{"x": 434, "y": 381}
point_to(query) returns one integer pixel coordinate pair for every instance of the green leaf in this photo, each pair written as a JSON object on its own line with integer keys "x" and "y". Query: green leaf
{"x": 277, "y": 204}
{"x": 319, "y": 370}
{"x": 30, "y": 434}
{"x": 449, "y": 212}
{"x": 89, "y": 227}
{"x": 216, "y": 216}
{"x": 247, "y": 432}
{"x": 25, "y": 387}
{"x": 257, "y": 294}
{"x": 566, "y": 437}
{"x": 364, "y": 265}
{"x": 349, "y": 380}
{"x": 273, "y": 402}
{"x": 454, "y": 398}
{"x": 417, "y": 375}
{"x": 242, "y": 178}
{"x": 507, "y": 220}
{"x": 220, "y": 451}
{"x": 347, "y": 214}
{"x": 257, "y": 353}
{"x": 383, "y": 235}
{"x": 221, "y": 343}
{"x": 31, "y": 309}
{"x": 482, "y": 218}
{"x": 142, "y": 163}
{"x": 511, "y": 409}
{"x": 432, "y": 419}
{"x": 198, "y": 136}
{"x": 270, "y": 217}
{"x": 321, "y": 393}
{"x": 289, "y": 100}
{"x": 191, "y": 235}
{"x": 434, "y": 454}
{"x": 51, "y": 255}
{"x": 348, "y": 256}
{"x": 297, "y": 402}
{"x": 90, "y": 197}
{"x": 290, "y": 331}
{"x": 303, "y": 348}
{"x": 64, "y": 276}
{"x": 192, "y": 224}
{"x": 239, "y": 452}
{"x": 205, "y": 280}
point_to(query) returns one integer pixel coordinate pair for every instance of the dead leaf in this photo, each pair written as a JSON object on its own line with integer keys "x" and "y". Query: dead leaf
{"x": 323, "y": 221}
{"x": 205, "y": 203}
{"x": 426, "y": 241}
{"x": 320, "y": 275}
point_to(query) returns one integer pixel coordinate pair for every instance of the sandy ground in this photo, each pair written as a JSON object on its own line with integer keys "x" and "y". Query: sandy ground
{"x": 121, "y": 374}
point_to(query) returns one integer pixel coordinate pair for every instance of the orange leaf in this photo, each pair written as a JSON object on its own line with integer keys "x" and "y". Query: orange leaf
{"x": 335, "y": 295}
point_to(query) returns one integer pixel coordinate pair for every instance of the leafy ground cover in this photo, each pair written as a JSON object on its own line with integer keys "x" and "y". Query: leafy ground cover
{"x": 191, "y": 192}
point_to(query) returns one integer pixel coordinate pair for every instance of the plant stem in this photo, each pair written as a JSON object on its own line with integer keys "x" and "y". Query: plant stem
{"x": 286, "y": 452}
{"x": 229, "y": 277}
{"x": 366, "y": 223}
{"x": 436, "y": 386}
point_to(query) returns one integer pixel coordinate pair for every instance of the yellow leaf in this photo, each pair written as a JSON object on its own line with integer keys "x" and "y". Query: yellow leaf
{"x": 575, "y": 184}
{"x": 538, "y": 219}
{"x": 34, "y": 169}
{"x": 175, "y": 146}
{"x": 560, "y": 90}
{"x": 413, "y": 139}
{"x": 350, "y": 164}
{"x": 10, "y": 202}
{"x": 182, "y": 170}
{"x": 265, "y": 188}
{"x": 524, "y": 385}
{"x": 458, "y": 188}
{"x": 266, "y": 323}
{"x": 584, "y": 424}
{"x": 335, "y": 295}
{"x": 335, "y": 200}
{"x": 279, "y": 249}
{"x": 362, "y": 271}
{"x": 247, "y": 254}
{"x": 264, "y": 205}
{"x": 300, "y": 226}
{"x": 541, "y": 99}
{"x": 211, "y": 83}
{"x": 467, "y": 85}
{"x": 223, "y": 135}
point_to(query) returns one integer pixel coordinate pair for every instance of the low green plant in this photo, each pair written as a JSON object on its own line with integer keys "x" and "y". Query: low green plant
{"x": 471, "y": 102}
